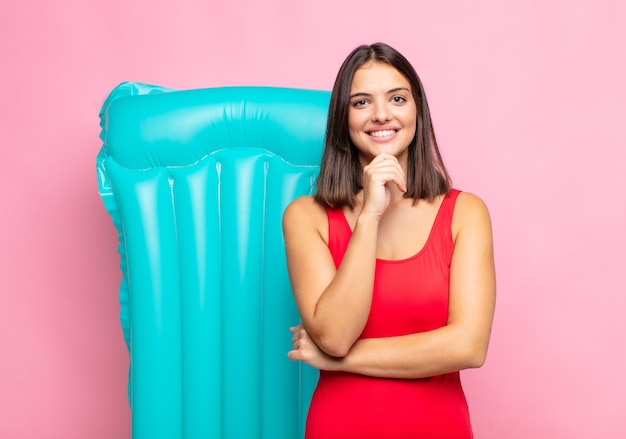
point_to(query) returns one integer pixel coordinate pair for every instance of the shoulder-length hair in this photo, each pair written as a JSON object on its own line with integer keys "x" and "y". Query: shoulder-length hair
{"x": 341, "y": 172}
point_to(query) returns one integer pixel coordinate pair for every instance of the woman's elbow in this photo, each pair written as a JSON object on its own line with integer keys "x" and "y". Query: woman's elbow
{"x": 477, "y": 360}
{"x": 475, "y": 355}
{"x": 334, "y": 347}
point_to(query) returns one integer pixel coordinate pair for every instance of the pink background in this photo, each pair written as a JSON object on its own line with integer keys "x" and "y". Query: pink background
{"x": 528, "y": 99}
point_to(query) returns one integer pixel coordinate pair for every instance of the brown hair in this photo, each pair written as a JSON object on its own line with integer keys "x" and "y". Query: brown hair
{"x": 340, "y": 174}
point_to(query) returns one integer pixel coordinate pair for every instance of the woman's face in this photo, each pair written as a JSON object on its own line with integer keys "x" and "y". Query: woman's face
{"x": 382, "y": 116}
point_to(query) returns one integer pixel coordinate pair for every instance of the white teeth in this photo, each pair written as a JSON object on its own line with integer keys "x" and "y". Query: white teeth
{"x": 382, "y": 133}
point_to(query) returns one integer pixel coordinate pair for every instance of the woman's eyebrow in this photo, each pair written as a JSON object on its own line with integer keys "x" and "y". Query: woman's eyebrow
{"x": 393, "y": 90}
{"x": 360, "y": 93}
{"x": 397, "y": 89}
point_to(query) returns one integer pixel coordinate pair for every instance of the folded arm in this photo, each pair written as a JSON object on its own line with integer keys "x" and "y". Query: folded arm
{"x": 462, "y": 343}
{"x": 334, "y": 303}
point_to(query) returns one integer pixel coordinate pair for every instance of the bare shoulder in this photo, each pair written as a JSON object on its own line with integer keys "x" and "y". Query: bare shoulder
{"x": 468, "y": 203}
{"x": 470, "y": 212}
{"x": 305, "y": 213}
{"x": 302, "y": 208}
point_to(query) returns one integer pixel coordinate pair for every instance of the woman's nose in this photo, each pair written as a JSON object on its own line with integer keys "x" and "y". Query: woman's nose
{"x": 381, "y": 113}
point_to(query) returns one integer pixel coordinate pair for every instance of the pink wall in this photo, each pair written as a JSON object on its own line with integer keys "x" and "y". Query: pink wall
{"x": 528, "y": 100}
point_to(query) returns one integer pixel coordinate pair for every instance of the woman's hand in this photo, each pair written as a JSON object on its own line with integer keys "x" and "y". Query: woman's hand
{"x": 304, "y": 349}
{"x": 377, "y": 176}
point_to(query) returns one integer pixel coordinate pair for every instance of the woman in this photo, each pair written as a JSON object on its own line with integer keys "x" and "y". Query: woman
{"x": 391, "y": 269}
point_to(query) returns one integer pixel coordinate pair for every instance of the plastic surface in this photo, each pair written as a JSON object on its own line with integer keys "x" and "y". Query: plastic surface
{"x": 196, "y": 183}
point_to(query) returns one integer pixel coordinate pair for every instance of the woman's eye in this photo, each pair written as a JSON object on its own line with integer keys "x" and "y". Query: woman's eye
{"x": 399, "y": 99}
{"x": 359, "y": 103}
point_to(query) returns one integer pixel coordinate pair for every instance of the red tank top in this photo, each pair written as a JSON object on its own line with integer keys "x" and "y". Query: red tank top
{"x": 410, "y": 295}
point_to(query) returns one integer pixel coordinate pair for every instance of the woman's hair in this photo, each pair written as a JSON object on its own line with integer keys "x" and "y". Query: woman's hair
{"x": 340, "y": 174}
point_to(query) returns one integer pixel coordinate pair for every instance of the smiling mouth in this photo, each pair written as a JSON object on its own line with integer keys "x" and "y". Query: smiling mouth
{"x": 382, "y": 133}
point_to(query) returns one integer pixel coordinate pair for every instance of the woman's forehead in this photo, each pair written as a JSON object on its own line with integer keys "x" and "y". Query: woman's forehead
{"x": 377, "y": 77}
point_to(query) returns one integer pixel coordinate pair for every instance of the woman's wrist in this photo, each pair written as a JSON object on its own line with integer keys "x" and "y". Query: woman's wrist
{"x": 368, "y": 219}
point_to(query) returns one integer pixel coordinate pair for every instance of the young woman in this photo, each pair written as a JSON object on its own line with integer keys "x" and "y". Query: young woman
{"x": 392, "y": 270}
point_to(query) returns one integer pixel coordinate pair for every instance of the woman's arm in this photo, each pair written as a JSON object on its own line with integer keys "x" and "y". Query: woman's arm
{"x": 461, "y": 344}
{"x": 334, "y": 304}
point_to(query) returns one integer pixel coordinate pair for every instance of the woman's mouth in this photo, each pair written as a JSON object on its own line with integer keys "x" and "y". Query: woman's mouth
{"x": 382, "y": 133}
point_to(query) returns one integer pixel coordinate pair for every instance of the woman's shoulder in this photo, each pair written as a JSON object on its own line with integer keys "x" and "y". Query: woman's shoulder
{"x": 470, "y": 211}
{"x": 305, "y": 203}
{"x": 305, "y": 217}
{"x": 469, "y": 200}
{"x": 304, "y": 209}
